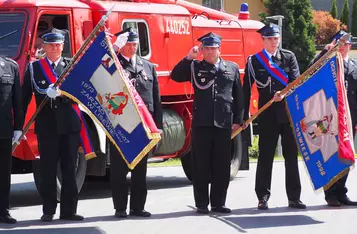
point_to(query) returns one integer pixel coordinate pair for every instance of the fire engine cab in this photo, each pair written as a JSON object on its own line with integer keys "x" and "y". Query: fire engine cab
{"x": 167, "y": 30}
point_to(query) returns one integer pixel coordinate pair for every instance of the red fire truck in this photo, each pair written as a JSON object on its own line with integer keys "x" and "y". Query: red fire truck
{"x": 167, "y": 30}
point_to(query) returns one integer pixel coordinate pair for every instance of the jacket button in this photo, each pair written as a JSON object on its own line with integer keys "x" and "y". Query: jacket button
{"x": 55, "y": 106}
{"x": 215, "y": 100}
{"x": 216, "y": 92}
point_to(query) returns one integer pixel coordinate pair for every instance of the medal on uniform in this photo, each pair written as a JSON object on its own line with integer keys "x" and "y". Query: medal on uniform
{"x": 199, "y": 74}
{"x": 2, "y": 63}
{"x": 203, "y": 80}
{"x": 145, "y": 76}
{"x": 62, "y": 63}
{"x": 43, "y": 82}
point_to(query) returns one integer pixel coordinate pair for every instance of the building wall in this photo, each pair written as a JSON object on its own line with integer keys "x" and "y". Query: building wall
{"x": 233, "y": 6}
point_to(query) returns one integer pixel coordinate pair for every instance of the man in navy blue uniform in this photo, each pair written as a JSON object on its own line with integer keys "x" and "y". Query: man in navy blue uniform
{"x": 273, "y": 121}
{"x": 142, "y": 74}
{"x": 217, "y": 111}
{"x": 57, "y": 128}
{"x": 11, "y": 123}
{"x": 336, "y": 195}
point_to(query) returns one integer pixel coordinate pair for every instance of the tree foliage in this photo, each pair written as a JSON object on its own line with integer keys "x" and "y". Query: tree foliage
{"x": 345, "y": 13}
{"x": 334, "y": 10}
{"x": 326, "y": 25}
{"x": 298, "y": 34}
{"x": 354, "y": 19}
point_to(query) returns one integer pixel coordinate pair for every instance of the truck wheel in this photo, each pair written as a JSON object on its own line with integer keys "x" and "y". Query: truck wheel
{"x": 235, "y": 162}
{"x": 81, "y": 167}
{"x": 187, "y": 164}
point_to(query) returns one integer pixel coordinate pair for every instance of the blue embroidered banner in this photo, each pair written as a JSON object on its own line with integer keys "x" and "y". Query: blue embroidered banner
{"x": 319, "y": 109}
{"x": 99, "y": 83}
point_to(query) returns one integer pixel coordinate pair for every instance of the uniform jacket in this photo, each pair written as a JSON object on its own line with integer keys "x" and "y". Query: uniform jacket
{"x": 11, "y": 114}
{"x": 144, "y": 78}
{"x": 219, "y": 105}
{"x": 286, "y": 60}
{"x": 58, "y": 116}
{"x": 350, "y": 72}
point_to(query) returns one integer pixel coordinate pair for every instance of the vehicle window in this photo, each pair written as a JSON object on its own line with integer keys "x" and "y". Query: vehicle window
{"x": 11, "y": 27}
{"x": 144, "y": 43}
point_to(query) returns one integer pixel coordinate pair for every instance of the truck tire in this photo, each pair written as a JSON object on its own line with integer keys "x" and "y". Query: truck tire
{"x": 81, "y": 167}
{"x": 237, "y": 152}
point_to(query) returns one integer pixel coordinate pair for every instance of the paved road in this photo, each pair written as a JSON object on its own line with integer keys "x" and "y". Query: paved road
{"x": 170, "y": 200}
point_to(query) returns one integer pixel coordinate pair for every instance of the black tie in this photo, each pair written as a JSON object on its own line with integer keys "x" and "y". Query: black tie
{"x": 273, "y": 58}
{"x": 53, "y": 66}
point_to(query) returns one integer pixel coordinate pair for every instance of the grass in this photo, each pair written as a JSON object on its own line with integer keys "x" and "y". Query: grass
{"x": 172, "y": 162}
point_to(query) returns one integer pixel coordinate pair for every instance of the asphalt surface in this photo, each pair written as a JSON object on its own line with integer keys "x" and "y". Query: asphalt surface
{"x": 171, "y": 203}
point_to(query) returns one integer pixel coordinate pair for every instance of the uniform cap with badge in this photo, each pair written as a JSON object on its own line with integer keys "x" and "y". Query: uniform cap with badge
{"x": 340, "y": 34}
{"x": 128, "y": 35}
{"x": 211, "y": 40}
{"x": 53, "y": 36}
{"x": 270, "y": 30}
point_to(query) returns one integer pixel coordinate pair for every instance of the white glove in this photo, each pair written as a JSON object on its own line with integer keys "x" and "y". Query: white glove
{"x": 16, "y": 137}
{"x": 121, "y": 40}
{"x": 53, "y": 92}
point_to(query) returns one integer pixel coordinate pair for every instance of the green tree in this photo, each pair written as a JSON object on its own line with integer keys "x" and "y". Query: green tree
{"x": 354, "y": 19}
{"x": 298, "y": 29}
{"x": 334, "y": 10}
{"x": 345, "y": 14}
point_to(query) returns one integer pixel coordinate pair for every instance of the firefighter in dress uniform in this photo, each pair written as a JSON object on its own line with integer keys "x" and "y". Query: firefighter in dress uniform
{"x": 57, "y": 127}
{"x": 217, "y": 111}
{"x": 336, "y": 195}
{"x": 11, "y": 123}
{"x": 273, "y": 121}
{"x": 143, "y": 76}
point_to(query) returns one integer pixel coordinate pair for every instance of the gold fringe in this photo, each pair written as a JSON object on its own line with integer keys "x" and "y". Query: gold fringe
{"x": 336, "y": 178}
{"x": 90, "y": 156}
{"x": 154, "y": 137}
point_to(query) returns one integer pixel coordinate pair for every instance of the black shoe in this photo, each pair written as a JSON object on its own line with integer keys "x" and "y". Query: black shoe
{"x": 120, "y": 214}
{"x": 263, "y": 204}
{"x": 221, "y": 209}
{"x": 202, "y": 210}
{"x": 74, "y": 217}
{"x": 297, "y": 204}
{"x": 347, "y": 202}
{"x": 140, "y": 213}
{"x": 6, "y": 218}
{"x": 46, "y": 217}
{"x": 333, "y": 203}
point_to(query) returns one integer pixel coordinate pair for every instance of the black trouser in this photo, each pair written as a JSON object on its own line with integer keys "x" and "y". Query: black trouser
{"x": 138, "y": 190}
{"x": 53, "y": 148}
{"x": 5, "y": 174}
{"x": 269, "y": 132}
{"x": 339, "y": 190}
{"x": 211, "y": 151}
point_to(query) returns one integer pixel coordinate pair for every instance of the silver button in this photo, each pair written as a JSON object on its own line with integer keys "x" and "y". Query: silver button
{"x": 216, "y": 91}
{"x": 215, "y": 100}
{"x": 55, "y": 106}
{"x": 215, "y": 84}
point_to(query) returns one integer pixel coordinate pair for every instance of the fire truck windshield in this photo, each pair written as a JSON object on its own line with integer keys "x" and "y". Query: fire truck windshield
{"x": 11, "y": 27}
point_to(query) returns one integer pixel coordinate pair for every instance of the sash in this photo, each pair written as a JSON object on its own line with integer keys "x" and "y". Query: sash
{"x": 274, "y": 70}
{"x": 51, "y": 77}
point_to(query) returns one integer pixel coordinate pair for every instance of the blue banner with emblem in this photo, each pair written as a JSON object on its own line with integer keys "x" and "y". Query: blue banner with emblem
{"x": 98, "y": 82}
{"x": 320, "y": 117}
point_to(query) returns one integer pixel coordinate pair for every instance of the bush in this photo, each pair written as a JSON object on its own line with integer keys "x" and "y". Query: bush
{"x": 254, "y": 149}
{"x": 327, "y": 26}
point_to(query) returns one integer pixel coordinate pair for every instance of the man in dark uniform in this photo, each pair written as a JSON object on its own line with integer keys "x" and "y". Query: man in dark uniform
{"x": 337, "y": 194}
{"x": 11, "y": 123}
{"x": 273, "y": 121}
{"x": 143, "y": 75}
{"x": 217, "y": 111}
{"x": 57, "y": 128}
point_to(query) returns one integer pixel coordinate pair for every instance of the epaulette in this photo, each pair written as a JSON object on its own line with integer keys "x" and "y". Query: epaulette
{"x": 10, "y": 60}
{"x": 67, "y": 59}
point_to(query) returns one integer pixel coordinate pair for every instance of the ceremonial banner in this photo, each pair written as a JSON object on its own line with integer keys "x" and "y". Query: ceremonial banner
{"x": 320, "y": 116}
{"x": 99, "y": 83}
